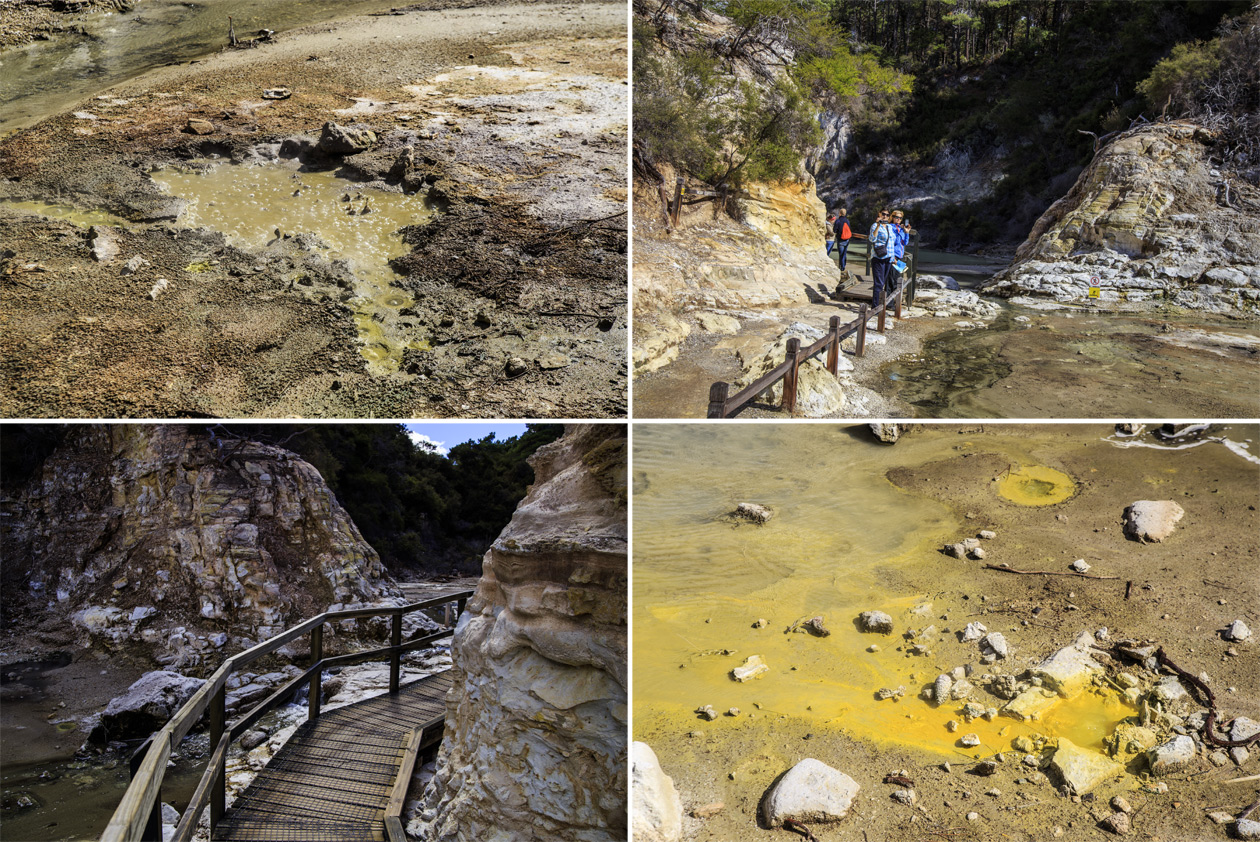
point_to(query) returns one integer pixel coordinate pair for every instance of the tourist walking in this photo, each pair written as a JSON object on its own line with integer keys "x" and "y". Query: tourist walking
{"x": 831, "y": 232}
{"x": 843, "y": 234}
{"x": 882, "y": 243}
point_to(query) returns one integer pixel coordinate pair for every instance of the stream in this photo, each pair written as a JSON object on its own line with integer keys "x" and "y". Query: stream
{"x": 47, "y": 77}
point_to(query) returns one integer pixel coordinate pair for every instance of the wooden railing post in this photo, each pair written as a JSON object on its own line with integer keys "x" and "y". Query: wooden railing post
{"x": 459, "y": 608}
{"x": 718, "y": 393}
{"x": 789, "y": 379}
{"x": 395, "y": 657}
{"x": 218, "y": 793}
{"x": 861, "y": 332}
{"x": 897, "y": 311}
{"x": 677, "y": 204}
{"x": 153, "y": 824}
{"x": 317, "y": 677}
{"x": 833, "y": 350}
{"x": 883, "y": 310}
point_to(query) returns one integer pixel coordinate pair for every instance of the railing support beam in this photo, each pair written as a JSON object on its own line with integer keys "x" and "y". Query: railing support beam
{"x": 218, "y": 792}
{"x": 833, "y": 350}
{"x": 718, "y": 393}
{"x": 789, "y": 379}
{"x": 317, "y": 678}
{"x": 861, "y": 331}
{"x": 395, "y": 657}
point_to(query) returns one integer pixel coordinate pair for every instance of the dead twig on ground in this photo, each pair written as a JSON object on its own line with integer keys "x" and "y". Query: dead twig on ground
{"x": 1209, "y": 724}
{"x": 793, "y": 825}
{"x": 1250, "y": 809}
{"x": 1003, "y": 568}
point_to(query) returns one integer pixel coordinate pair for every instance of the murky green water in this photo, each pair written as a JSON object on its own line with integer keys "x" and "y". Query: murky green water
{"x": 47, "y": 77}
{"x": 256, "y": 205}
{"x": 1064, "y": 364}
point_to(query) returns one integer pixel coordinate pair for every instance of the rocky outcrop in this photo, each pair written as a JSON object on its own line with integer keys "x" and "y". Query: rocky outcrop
{"x": 1149, "y": 221}
{"x": 535, "y": 745}
{"x": 775, "y": 257}
{"x": 162, "y": 537}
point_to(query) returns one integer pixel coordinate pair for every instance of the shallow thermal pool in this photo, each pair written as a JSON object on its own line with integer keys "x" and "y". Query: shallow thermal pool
{"x": 253, "y": 205}
{"x": 841, "y": 538}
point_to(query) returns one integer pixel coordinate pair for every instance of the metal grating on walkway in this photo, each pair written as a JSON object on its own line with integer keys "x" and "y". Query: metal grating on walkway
{"x": 333, "y": 778}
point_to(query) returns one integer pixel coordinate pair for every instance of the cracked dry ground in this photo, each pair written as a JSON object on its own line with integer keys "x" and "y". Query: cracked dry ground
{"x": 510, "y": 119}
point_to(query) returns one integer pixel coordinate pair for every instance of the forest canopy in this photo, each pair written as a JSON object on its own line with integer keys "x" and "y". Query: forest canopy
{"x": 1027, "y": 83}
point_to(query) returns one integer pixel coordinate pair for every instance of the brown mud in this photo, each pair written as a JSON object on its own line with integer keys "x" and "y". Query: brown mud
{"x": 1183, "y": 592}
{"x": 509, "y": 120}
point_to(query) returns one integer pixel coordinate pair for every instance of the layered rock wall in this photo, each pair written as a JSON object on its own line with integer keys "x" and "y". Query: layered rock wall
{"x": 1151, "y": 220}
{"x": 710, "y": 263}
{"x": 535, "y": 745}
{"x": 159, "y": 536}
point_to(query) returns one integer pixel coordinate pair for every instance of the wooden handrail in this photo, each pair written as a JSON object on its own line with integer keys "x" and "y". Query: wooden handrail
{"x": 724, "y": 405}
{"x": 133, "y": 820}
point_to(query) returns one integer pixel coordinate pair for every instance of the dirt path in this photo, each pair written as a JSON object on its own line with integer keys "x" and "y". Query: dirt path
{"x": 511, "y": 120}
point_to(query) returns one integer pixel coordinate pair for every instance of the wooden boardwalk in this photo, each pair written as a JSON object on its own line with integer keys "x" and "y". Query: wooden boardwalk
{"x": 335, "y": 776}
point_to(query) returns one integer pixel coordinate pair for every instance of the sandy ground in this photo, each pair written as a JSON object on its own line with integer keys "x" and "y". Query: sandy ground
{"x": 512, "y": 120}
{"x": 1184, "y": 591}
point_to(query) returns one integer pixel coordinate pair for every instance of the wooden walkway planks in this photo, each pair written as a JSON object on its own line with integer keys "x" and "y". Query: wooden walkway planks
{"x": 333, "y": 778}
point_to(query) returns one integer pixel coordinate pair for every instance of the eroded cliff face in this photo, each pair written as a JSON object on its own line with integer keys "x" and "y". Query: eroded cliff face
{"x": 713, "y": 264}
{"x": 535, "y": 744}
{"x": 158, "y": 537}
{"x": 1150, "y": 221}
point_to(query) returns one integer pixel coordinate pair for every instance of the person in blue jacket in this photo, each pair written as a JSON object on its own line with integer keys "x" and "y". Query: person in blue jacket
{"x": 901, "y": 230}
{"x": 882, "y": 243}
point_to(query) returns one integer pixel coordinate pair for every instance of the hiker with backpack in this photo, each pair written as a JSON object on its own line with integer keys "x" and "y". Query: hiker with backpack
{"x": 882, "y": 244}
{"x": 843, "y": 234}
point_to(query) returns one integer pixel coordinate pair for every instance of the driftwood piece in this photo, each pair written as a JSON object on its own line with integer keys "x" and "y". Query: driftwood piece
{"x": 1003, "y": 568}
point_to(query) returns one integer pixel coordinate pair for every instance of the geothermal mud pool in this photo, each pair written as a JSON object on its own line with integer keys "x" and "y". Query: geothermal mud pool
{"x": 121, "y": 300}
{"x": 860, "y": 526}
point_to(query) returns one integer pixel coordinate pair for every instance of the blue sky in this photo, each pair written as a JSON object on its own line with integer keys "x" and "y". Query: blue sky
{"x": 448, "y": 434}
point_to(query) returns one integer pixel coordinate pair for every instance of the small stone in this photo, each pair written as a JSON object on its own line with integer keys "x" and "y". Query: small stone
{"x": 995, "y": 644}
{"x": 875, "y": 621}
{"x": 978, "y": 553}
{"x": 810, "y": 791}
{"x": 987, "y": 534}
{"x": 753, "y": 667}
{"x": 1221, "y": 817}
{"x": 752, "y": 512}
{"x": 1117, "y": 823}
{"x": 253, "y": 739}
{"x": 888, "y": 693}
{"x": 904, "y": 796}
{"x": 956, "y": 550}
{"x": 761, "y": 623}
{"x": 874, "y": 647}
{"x": 1247, "y": 829}
{"x": 969, "y": 740}
{"x": 973, "y": 816}
{"x": 1171, "y": 756}
{"x": 993, "y": 793}
{"x": 940, "y": 689}
{"x": 515, "y": 367}
{"x": 1081, "y": 565}
{"x": 951, "y": 726}
{"x": 1152, "y": 520}
{"x": 1218, "y": 758}
{"x": 1119, "y": 804}
{"x": 733, "y": 712}
{"x": 708, "y": 811}
{"x": 974, "y": 631}
{"x": 1237, "y": 631}
{"x": 707, "y": 712}
{"x": 200, "y": 127}
{"x": 985, "y": 768}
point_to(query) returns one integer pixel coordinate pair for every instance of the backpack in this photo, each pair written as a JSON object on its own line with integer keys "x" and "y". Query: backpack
{"x": 845, "y": 233}
{"x": 881, "y": 242}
